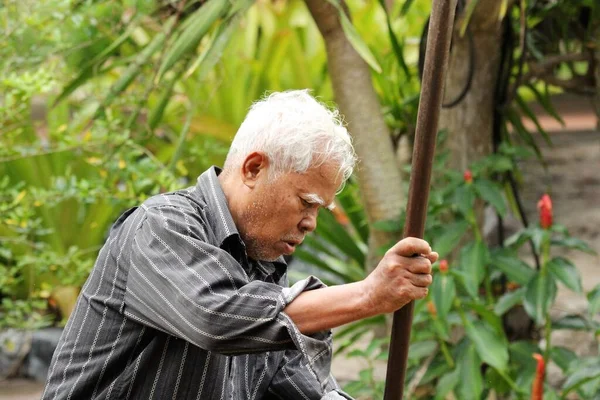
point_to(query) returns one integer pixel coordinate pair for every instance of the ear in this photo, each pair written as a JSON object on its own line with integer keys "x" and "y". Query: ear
{"x": 255, "y": 166}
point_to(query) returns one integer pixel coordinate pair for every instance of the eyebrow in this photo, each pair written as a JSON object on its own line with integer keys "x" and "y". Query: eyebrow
{"x": 314, "y": 198}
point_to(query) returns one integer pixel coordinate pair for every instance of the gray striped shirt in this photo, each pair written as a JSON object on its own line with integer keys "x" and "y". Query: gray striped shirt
{"x": 174, "y": 309}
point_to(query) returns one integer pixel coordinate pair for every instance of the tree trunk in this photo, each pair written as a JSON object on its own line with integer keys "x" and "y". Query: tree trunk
{"x": 469, "y": 123}
{"x": 378, "y": 174}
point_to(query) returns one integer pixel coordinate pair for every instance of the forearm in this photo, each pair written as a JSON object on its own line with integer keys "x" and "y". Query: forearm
{"x": 325, "y": 308}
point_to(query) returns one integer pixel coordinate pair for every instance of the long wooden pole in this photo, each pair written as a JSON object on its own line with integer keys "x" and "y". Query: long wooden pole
{"x": 430, "y": 102}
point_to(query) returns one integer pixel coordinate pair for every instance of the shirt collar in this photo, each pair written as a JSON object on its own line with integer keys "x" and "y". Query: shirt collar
{"x": 219, "y": 217}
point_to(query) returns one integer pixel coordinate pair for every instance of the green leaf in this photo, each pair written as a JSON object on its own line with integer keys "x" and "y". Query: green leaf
{"x": 518, "y": 239}
{"x": 188, "y": 40}
{"x": 473, "y": 262}
{"x": 133, "y": 70}
{"x": 488, "y": 316}
{"x": 388, "y": 226}
{"x": 354, "y": 38}
{"x": 443, "y": 292}
{"x": 563, "y": 357}
{"x": 398, "y": 51}
{"x": 525, "y": 108}
{"x": 468, "y": 14}
{"x": 594, "y": 300}
{"x": 446, "y": 384}
{"x": 515, "y": 120}
{"x": 491, "y": 347}
{"x": 449, "y": 238}
{"x": 574, "y": 243}
{"x": 583, "y": 371}
{"x": 470, "y": 385}
{"x": 406, "y": 7}
{"x": 573, "y": 322}
{"x": 420, "y": 350}
{"x": 331, "y": 230}
{"x": 539, "y": 296}
{"x": 545, "y": 101}
{"x": 491, "y": 194}
{"x": 565, "y": 271}
{"x": 464, "y": 198}
{"x": 509, "y": 300}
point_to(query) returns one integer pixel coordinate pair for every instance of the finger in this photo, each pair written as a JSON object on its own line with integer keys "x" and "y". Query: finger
{"x": 433, "y": 256}
{"x": 421, "y": 280}
{"x": 421, "y": 292}
{"x": 418, "y": 265}
{"x": 410, "y": 246}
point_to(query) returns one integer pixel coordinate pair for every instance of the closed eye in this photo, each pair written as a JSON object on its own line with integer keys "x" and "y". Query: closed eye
{"x": 305, "y": 203}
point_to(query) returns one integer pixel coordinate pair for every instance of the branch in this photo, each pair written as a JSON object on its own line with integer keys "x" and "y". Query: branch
{"x": 543, "y": 69}
{"x": 577, "y": 85}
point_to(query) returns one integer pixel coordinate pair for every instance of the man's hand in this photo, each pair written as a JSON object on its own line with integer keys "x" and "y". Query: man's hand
{"x": 403, "y": 275}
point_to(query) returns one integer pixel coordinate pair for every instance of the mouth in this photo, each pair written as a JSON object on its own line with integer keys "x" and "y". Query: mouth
{"x": 290, "y": 246}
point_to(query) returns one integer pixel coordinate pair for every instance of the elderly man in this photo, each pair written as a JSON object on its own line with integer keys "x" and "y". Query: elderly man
{"x": 189, "y": 298}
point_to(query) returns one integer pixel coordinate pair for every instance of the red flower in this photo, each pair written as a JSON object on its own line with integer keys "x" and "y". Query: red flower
{"x": 537, "y": 390}
{"x": 444, "y": 265}
{"x": 545, "y": 209}
{"x": 468, "y": 176}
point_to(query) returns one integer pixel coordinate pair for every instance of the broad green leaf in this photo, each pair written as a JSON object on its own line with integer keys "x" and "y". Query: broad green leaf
{"x": 464, "y": 198}
{"x": 583, "y": 371}
{"x": 495, "y": 381}
{"x": 449, "y": 238}
{"x": 488, "y": 316}
{"x": 574, "y": 243}
{"x": 491, "y": 347}
{"x": 446, "y": 384}
{"x": 188, "y": 40}
{"x": 473, "y": 262}
{"x": 563, "y": 357}
{"x": 509, "y": 300}
{"x": 420, "y": 350}
{"x": 491, "y": 194}
{"x": 470, "y": 385}
{"x": 594, "y": 300}
{"x": 443, "y": 292}
{"x": 388, "y": 226}
{"x": 336, "y": 234}
{"x": 329, "y": 264}
{"x": 354, "y": 38}
{"x": 350, "y": 201}
{"x": 565, "y": 271}
{"x": 518, "y": 239}
{"x": 539, "y": 296}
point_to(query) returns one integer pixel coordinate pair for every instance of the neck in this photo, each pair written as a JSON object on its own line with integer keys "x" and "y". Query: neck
{"x": 229, "y": 189}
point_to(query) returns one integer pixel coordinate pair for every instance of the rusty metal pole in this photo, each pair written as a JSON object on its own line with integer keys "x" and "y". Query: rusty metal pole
{"x": 430, "y": 102}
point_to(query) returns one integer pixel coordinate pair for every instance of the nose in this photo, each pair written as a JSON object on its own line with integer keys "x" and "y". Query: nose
{"x": 308, "y": 223}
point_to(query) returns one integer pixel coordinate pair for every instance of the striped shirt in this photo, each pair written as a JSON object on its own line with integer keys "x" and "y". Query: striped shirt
{"x": 174, "y": 309}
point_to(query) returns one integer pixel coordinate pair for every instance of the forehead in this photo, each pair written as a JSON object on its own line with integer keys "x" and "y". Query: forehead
{"x": 323, "y": 180}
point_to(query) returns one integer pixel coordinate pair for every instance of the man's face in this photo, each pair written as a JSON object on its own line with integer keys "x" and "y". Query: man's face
{"x": 279, "y": 212}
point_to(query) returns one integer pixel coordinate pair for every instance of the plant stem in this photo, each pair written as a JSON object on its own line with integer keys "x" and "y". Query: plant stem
{"x": 446, "y": 353}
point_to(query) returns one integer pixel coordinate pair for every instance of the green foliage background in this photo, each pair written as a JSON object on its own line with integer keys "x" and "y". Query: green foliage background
{"x": 105, "y": 103}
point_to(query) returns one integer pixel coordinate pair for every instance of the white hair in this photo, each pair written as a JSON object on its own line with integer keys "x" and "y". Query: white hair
{"x": 296, "y": 132}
